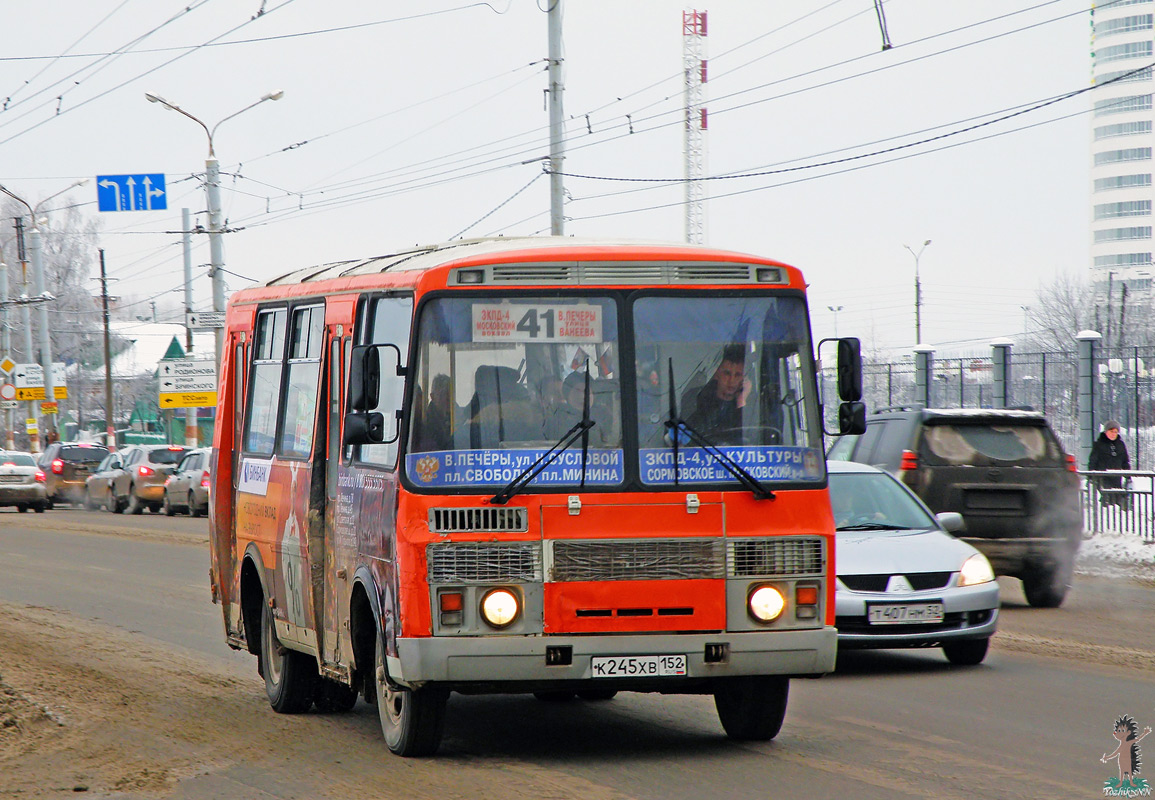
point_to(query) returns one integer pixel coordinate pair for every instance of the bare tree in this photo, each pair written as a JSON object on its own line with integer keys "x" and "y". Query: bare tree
{"x": 1062, "y": 308}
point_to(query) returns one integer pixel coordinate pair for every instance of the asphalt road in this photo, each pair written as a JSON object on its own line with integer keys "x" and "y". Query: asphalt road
{"x": 1032, "y": 721}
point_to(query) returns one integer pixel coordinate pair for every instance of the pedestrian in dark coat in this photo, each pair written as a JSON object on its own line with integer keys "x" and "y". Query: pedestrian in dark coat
{"x": 1109, "y": 452}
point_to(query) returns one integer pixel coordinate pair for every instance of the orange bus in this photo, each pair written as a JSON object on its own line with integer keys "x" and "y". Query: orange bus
{"x": 536, "y": 465}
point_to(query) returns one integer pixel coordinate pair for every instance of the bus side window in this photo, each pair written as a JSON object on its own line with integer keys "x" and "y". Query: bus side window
{"x": 304, "y": 365}
{"x": 389, "y": 321}
{"x": 265, "y": 383}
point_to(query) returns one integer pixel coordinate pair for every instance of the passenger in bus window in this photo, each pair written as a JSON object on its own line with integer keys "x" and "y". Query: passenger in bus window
{"x": 568, "y": 411}
{"x": 502, "y": 410}
{"x": 717, "y": 409}
{"x": 436, "y": 424}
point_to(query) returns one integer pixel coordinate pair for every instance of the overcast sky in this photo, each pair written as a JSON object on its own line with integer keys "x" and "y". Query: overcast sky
{"x": 407, "y": 123}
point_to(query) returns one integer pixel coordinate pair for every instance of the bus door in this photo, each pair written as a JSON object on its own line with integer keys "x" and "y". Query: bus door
{"x": 363, "y": 487}
{"x": 280, "y": 487}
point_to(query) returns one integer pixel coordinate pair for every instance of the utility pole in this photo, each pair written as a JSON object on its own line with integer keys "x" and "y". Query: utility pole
{"x": 26, "y": 320}
{"x": 694, "y": 70}
{"x": 34, "y": 252}
{"x": 6, "y": 349}
{"x": 191, "y": 435}
{"x": 110, "y": 427}
{"x": 556, "y": 127}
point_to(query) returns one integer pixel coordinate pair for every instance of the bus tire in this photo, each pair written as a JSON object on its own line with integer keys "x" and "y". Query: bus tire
{"x": 752, "y": 708}
{"x": 289, "y": 675}
{"x": 333, "y": 697}
{"x": 411, "y": 719}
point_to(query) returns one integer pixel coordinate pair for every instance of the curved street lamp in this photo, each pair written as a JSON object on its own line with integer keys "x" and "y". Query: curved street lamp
{"x": 213, "y": 196}
{"x": 917, "y": 293}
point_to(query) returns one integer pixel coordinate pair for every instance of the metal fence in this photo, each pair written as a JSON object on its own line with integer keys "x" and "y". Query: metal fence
{"x": 1123, "y": 380}
{"x": 1129, "y": 508}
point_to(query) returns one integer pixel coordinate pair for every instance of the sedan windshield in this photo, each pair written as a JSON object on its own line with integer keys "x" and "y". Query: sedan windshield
{"x": 501, "y": 380}
{"x": 874, "y": 501}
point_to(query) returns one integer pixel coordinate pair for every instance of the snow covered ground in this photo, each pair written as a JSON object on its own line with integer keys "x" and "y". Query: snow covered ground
{"x": 1115, "y": 555}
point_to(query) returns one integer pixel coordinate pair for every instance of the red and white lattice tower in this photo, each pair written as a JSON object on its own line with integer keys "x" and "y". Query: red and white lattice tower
{"x": 694, "y": 67}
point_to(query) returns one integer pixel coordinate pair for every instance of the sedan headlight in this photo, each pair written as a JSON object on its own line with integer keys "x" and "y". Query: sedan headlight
{"x": 499, "y": 607}
{"x": 975, "y": 570}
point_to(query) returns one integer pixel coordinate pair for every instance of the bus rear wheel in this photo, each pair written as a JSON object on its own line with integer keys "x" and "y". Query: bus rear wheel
{"x": 289, "y": 675}
{"x": 411, "y": 719}
{"x": 752, "y": 708}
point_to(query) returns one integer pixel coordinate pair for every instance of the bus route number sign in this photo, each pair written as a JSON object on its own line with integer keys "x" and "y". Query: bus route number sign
{"x": 508, "y": 322}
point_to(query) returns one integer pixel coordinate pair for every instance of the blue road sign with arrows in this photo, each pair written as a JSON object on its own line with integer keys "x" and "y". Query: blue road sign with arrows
{"x": 131, "y": 192}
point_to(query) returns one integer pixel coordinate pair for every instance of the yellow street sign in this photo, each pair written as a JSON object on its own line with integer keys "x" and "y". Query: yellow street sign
{"x": 187, "y": 399}
{"x": 7, "y": 365}
{"x": 31, "y": 426}
{"x": 38, "y": 393}
{"x": 47, "y": 407}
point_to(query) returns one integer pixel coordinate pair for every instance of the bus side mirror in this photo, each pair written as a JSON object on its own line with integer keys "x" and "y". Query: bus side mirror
{"x": 364, "y": 377}
{"x": 364, "y": 427}
{"x": 376, "y": 380}
{"x": 852, "y": 418}
{"x": 849, "y": 370}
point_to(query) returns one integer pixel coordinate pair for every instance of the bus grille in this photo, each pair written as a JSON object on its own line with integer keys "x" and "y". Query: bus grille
{"x": 774, "y": 557}
{"x": 466, "y": 520}
{"x": 637, "y": 560}
{"x": 484, "y": 562}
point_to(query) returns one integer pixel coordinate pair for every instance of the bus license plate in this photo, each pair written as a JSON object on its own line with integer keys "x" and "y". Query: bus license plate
{"x": 637, "y": 666}
{"x": 904, "y": 614}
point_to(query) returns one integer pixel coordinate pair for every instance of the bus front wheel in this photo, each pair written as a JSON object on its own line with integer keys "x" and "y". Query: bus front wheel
{"x": 411, "y": 719}
{"x": 289, "y": 675}
{"x": 752, "y": 708}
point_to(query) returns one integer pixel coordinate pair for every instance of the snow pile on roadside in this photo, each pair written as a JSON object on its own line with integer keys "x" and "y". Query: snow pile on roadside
{"x": 1112, "y": 554}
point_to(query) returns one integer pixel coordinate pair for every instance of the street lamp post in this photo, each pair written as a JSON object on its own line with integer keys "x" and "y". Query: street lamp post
{"x": 34, "y": 256}
{"x": 213, "y": 197}
{"x": 917, "y": 293}
{"x": 835, "y": 309}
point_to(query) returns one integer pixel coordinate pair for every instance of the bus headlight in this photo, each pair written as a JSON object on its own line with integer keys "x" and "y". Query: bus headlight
{"x": 766, "y": 603}
{"x": 499, "y": 607}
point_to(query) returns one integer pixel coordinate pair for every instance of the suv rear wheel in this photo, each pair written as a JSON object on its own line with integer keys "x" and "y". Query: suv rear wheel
{"x": 1046, "y": 587}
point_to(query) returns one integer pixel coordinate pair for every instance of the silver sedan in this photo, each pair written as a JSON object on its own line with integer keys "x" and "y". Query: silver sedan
{"x": 903, "y": 580}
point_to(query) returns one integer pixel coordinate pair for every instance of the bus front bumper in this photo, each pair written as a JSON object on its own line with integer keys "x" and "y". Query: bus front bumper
{"x": 519, "y": 663}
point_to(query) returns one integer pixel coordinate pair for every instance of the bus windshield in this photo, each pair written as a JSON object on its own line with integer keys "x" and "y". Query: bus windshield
{"x": 501, "y": 379}
{"x": 742, "y": 377}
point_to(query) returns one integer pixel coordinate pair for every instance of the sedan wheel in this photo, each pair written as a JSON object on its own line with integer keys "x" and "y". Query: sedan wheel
{"x": 168, "y": 509}
{"x": 966, "y": 653}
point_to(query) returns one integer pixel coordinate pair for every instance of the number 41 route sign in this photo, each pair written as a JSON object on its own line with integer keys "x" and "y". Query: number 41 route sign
{"x": 131, "y": 192}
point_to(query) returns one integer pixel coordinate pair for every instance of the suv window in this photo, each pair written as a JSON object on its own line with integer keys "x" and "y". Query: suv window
{"x": 867, "y": 442}
{"x": 984, "y": 444}
{"x": 86, "y": 455}
{"x": 166, "y": 455}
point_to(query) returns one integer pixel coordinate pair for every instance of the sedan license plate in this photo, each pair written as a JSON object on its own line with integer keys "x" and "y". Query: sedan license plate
{"x": 904, "y": 614}
{"x": 637, "y": 666}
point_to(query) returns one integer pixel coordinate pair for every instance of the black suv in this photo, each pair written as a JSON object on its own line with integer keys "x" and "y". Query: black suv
{"x": 67, "y": 466}
{"x": 1003, "y": 470}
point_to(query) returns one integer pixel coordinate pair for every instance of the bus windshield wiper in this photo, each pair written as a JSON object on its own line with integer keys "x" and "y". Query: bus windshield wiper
{"x": 580, "y": 428}
{"x": 677, "y": 426}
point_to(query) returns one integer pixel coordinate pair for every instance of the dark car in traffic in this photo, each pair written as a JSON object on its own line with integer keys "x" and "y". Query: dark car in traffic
{"x": 1003, "y": 470}
{"x": 67, "y": 466}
